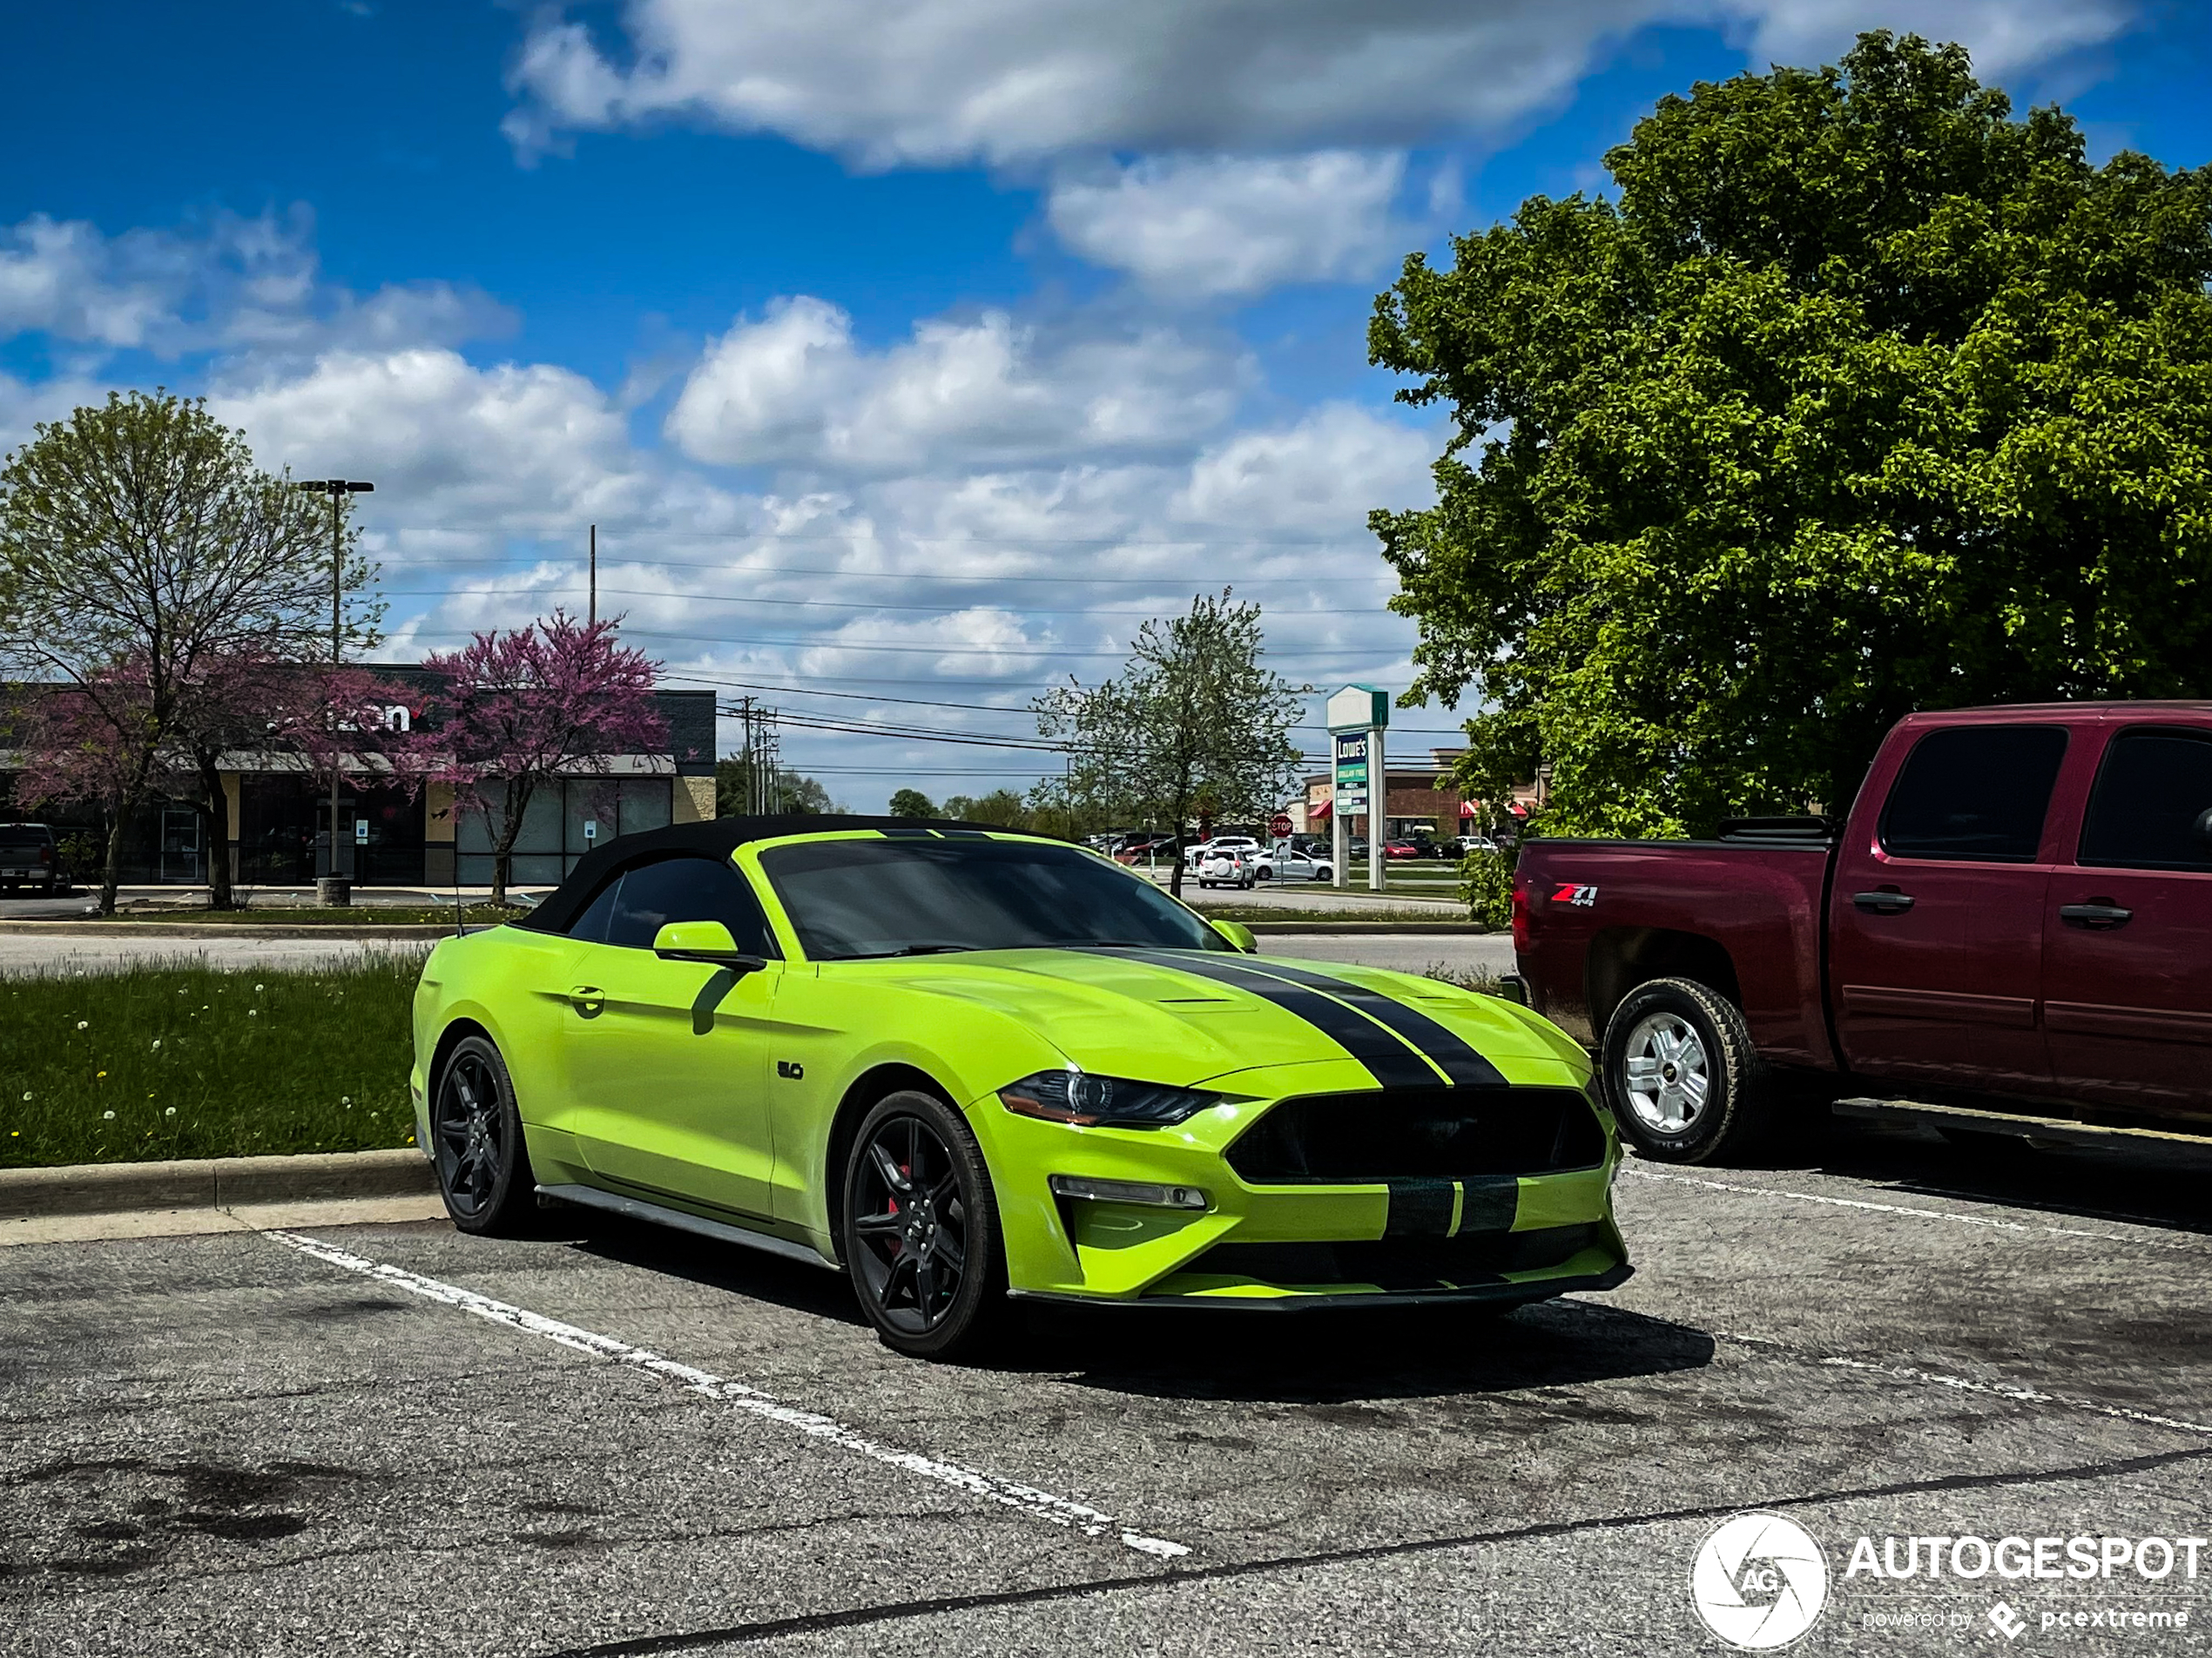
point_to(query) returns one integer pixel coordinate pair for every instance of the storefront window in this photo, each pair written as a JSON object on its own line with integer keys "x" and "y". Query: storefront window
{"x": 552, "y": 836}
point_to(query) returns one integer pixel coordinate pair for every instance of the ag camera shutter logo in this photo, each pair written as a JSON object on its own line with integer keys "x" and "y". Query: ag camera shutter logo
{"x": 1759, "y": 1581}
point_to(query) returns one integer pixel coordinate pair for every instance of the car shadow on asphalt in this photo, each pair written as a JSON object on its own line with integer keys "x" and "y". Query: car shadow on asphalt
{"x": 1326, "y": 1356}
{"x": 2166, "y": 1189}
{"x": 1311, "y": 1356}
{"x": 729, "y": 1267}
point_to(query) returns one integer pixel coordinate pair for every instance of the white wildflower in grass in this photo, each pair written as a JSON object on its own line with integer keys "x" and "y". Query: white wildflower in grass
{"x": 26, "y": 1094}
{"x": 253, "y": 1012}
{"x": 171, "y": 1112}
{"x": 107, "y": 1116}
{"x": 83, "y": 1024}
{"x": 157, "y": 1041}
{"x": 259, "y": 988}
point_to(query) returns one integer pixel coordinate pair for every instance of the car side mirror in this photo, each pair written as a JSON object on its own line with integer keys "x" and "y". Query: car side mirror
{"x": 707, "y": 941}
{"x": 1238, "y": 934}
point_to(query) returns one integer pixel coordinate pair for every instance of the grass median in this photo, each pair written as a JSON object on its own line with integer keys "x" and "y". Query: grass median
{"x": 175, "y": 1060}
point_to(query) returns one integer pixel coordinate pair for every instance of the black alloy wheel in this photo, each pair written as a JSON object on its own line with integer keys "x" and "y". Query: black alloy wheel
{"x": 477, "y": 1142}
{"x": 921, "y": 1232}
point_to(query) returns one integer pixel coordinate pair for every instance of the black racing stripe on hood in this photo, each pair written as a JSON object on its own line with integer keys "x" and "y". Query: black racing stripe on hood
{"x": 1388, "y": 1060}
{"x": 1446, "y": 1047}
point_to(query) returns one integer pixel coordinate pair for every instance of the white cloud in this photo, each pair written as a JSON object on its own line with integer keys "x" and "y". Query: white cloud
{"x": 1325, "y": 473}
{"x": 1009, "y": 81}
{"x": 512, "y": 448}
{"x": 793, "y": 388}
{"x": 1213, "y": 225}
{"x": 236, "y": 284}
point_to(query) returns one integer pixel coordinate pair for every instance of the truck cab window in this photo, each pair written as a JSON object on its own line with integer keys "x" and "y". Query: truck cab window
{"x": 1974, "y": 792}
{"x": 2152, "y": 805}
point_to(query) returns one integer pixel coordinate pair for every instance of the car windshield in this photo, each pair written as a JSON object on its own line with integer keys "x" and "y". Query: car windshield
{"x": 849, "y": 899}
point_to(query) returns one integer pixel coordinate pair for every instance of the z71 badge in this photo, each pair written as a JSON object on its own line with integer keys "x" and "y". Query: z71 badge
{"x": 1581, "y": 898}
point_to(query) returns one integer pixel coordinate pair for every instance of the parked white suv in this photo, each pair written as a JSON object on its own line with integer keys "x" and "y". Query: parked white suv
{"x": 1228, "y": 866}
{"x": 1195, "y": 857}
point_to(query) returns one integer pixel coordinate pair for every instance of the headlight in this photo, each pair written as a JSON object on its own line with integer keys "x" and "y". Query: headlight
{"x": 1102, "y": 1102}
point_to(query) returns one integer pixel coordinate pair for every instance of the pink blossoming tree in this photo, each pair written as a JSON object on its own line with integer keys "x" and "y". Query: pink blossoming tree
{"x": 522, "y": 711}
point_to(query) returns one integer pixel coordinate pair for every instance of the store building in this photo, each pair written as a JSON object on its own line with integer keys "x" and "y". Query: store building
{"x": 279, "y": 816}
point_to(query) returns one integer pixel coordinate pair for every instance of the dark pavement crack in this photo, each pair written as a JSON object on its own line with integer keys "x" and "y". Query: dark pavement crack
{"x": 816, "y": 1622}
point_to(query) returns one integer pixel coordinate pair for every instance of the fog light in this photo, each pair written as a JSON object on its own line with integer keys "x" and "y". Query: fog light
{"x": 1129, "y": 1191}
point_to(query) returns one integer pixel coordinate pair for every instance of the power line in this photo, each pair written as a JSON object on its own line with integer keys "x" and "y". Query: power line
{"x": 746, "y": 598}
{"x": 524, "y": 562}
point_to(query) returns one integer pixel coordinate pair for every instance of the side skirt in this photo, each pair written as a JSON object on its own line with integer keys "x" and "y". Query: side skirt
{"x": 592, "y": 1197}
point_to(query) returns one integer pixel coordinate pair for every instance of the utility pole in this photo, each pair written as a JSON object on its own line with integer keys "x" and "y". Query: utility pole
{"x": 591, "y": 616}
{"x": 337, "y": 490}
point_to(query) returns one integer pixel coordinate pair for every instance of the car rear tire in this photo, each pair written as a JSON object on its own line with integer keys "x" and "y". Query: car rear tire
{"x": 920, "y": 1230}
{"x": 1685, "y": 1082}
{"x": 476, "y": 1143}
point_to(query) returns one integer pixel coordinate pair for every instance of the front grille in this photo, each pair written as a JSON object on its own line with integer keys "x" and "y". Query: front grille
{"x": 1418, "y": 1133}
{"x": 1401, "y": 1265}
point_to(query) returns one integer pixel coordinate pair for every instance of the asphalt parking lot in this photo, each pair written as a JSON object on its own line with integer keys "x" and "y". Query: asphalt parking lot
{"x": 612, "y": 1440}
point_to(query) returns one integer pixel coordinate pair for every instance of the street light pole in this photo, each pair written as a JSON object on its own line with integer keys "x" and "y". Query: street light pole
{"x": 337, "y": 490}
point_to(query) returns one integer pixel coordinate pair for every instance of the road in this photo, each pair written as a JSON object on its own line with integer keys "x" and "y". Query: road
{"x": 608, "y": 1441}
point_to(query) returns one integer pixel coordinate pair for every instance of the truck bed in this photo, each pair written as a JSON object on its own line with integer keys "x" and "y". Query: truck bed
{"x": 1744, "y": 916}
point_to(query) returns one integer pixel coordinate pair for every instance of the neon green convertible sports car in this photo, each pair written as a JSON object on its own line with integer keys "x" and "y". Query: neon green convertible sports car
{"x": 962, "y": 1064}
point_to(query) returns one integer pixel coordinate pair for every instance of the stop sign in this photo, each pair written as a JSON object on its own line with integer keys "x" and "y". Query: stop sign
{"x": 1280, "y": 824}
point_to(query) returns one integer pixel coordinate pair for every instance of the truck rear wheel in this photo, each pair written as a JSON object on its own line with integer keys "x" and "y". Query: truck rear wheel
{"x": 1681, "y": 1072}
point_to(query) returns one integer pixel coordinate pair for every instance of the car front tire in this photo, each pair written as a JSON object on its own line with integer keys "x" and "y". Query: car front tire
{"x": 1683, "y": 1078}
{"x": 920, "y": 1230}
{"x": 476, "y": 1145}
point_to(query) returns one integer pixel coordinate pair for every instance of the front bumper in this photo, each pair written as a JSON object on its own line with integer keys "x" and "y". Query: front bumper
{"x": 1504, "y": 1237}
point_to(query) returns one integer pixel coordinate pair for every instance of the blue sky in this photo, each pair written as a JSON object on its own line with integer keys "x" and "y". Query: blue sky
{"x": 913, "y": 352}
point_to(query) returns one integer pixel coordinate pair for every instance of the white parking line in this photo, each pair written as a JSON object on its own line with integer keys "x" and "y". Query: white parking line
{"x": 1042, "y": 1505}
{"x": 1983, "y": 1221}
{"x": 1965, "y": 1384}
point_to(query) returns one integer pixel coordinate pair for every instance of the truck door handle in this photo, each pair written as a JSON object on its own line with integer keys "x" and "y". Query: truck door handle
{"x": 2098, "y": 914}
{"x": 588, "y": 1000}
{"x": 1884, "y": 903}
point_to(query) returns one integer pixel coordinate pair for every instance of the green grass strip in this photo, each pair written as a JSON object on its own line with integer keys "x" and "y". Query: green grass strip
{"x": 171, "y": 1061}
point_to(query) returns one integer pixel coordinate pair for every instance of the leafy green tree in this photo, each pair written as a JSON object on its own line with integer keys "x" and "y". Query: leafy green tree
{"x": 1196, "y": 721}
{"x": 788, "y": 792}
{"x": 1862, "y": 397}
{"x": 1001, "y": 808}
{"x": 912, "y": 803}
{"x": 141, "y": 550}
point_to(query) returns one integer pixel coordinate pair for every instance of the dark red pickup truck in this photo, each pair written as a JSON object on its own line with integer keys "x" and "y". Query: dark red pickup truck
{"x": 2019, "y": 904}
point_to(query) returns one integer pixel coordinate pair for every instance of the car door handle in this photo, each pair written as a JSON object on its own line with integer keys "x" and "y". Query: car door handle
{"x": 588, "y": 1000}
{"x": 2098, "y": 914}
{"x": 1884, "y": 903}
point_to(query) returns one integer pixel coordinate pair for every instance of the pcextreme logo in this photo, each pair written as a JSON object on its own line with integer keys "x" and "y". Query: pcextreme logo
{"x": 1759, "y": 1581}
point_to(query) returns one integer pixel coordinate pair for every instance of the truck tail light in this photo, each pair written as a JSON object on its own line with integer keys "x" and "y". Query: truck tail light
{"x": 1520, "y": 916}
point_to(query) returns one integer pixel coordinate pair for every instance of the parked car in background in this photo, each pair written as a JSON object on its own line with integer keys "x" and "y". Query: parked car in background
{"x": 2014, "y": 920}
{"x": 1285, "y": 861}
{"x": 1228, "y": 866}
{"x": 30, "y": 857}
{"x": 1402, "y": 849}
{"x": 1196, "y": 854}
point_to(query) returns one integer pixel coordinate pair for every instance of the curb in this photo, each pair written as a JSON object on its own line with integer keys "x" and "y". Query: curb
{"x": 1262, "y": 929}
{"x": 220, "y": 930}
{"x": 213, "y": 1183}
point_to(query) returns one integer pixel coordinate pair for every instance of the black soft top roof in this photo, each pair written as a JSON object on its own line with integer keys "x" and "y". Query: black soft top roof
{"x": 718, "y": 838}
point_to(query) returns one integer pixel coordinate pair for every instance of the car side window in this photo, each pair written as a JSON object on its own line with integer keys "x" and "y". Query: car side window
{"x": 1974, "y": 792}
{"x": 592, "y": 925}
{"x": 2152, "y": 804}
{"x": 687, "y": 889}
